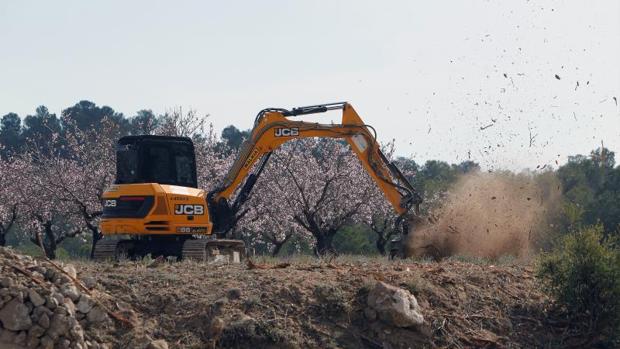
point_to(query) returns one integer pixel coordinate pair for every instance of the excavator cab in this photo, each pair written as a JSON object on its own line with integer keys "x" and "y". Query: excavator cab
{"x": 156, "y": 159}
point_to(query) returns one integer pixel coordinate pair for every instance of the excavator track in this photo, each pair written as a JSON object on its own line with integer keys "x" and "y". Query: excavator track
{"x": 105, "y": 250}
{"x": 219, "y": 250}
{"x": 194, "y": 249}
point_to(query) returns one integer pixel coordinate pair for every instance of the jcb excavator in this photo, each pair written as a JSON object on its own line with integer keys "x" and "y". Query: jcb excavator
{"x": 155, "y": 207}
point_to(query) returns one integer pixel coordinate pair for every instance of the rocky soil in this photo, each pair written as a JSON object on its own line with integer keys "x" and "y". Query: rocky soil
{"x": 347, "y": 303}
{"x": 42, "y": 305}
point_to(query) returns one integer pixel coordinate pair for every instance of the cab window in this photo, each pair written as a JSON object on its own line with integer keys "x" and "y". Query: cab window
{"x": 157, "y": 165}
{"x": 184, "y": 165}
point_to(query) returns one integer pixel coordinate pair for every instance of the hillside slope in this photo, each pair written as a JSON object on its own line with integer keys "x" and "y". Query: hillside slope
{"x": 309, "y": 303}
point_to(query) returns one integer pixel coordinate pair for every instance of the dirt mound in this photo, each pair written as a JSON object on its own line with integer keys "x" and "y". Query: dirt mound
{"x": 303, "y": 303}
{"x": 488, "y": 215}
{"x": 309, "y": 303}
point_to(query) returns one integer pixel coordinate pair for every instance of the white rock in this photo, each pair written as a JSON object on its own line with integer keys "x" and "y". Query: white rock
{"x": 70, "y": 269}
{"x": 158, "y": 344}
{"x": 395, "y": 306}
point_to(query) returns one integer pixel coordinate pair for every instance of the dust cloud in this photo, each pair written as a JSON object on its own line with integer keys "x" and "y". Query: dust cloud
{"x": 489, "y": 215}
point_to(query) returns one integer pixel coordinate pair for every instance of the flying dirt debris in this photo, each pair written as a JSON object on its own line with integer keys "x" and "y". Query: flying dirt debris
{"x": 487, "y": 215}
{"x": 156, "y": 201}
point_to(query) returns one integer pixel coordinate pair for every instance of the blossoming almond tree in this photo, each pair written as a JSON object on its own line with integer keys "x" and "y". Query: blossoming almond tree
{"x": 61, "y": 190}
{"x": 268, "y": 221}
{"x": 80, "y": 177}
{"x": 9, "y": 203}
{"x": 318, "y": 185}
{"x": 46, "y": 221}
{"x": 212, "y": 159}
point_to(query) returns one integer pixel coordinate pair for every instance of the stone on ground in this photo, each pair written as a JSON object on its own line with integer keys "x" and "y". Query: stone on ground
{"x": 394, "y": 306}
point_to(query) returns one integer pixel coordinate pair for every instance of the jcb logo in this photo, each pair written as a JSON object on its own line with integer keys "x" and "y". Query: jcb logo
{"x": 189, "y": 209}
{"x": 286, "y": 132}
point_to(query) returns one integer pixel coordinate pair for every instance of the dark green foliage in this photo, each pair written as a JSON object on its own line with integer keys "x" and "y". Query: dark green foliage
{"x": 39, "y": 129}
{"x": 582, "y": 273}
{"x": 591, "y": 190}
{"x": 144, "y": 123}
{"x": 357, "y": 239}
{"x": 10, "y": 133}
{"x": 234, "y": 137}
{"x": 86, "y": 115}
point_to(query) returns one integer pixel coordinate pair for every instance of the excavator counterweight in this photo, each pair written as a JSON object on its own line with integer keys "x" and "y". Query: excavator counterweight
{"x": 155, "y": 206}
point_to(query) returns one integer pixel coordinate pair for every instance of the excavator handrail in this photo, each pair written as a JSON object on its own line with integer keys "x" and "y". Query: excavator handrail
{"x": 351, "y": 128}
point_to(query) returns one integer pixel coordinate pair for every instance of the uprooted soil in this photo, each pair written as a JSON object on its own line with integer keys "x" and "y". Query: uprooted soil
{"x": 309, "y": 303}
{"x": 488, "y": 215}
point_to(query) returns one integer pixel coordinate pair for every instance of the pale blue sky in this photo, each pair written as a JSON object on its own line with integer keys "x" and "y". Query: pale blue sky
{"x": 428, "y": 73}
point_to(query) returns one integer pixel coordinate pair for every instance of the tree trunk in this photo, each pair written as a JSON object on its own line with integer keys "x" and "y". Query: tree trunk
{"x": 381, "y": 242}
{"x": 49, "y": 242}
{"x": 277, "y": 247}
{"x": 96, "y": 237}
{"x": 5, "y": 228}
{"x": 324, "y": 243}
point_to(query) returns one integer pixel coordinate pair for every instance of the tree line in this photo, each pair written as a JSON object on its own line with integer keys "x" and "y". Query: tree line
{"x": 314, "y": 196}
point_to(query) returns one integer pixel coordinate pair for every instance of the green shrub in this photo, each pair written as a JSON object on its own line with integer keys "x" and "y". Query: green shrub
{"x": 582, "y": 273}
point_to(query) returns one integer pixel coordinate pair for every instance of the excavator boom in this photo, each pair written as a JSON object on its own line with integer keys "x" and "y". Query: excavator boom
{"x": 274, "y": 127}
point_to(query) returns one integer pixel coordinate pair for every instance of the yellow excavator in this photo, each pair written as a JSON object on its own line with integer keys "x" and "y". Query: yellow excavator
{"x": 155, "y": 206}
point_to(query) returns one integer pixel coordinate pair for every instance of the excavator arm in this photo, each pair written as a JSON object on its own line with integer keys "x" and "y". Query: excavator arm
{"x": 273, "y": 127}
